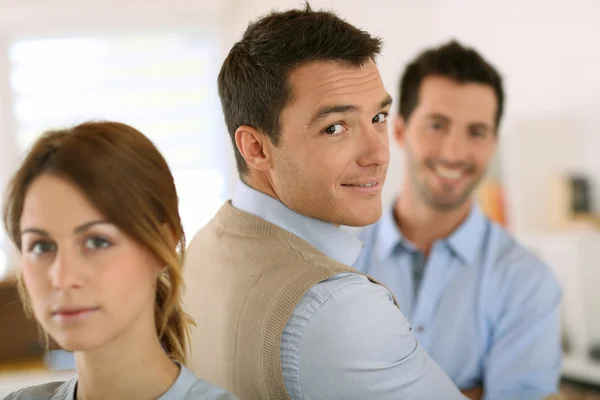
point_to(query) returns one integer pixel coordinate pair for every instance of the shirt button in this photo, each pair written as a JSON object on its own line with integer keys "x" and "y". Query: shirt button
{"x": 420, "y": 328}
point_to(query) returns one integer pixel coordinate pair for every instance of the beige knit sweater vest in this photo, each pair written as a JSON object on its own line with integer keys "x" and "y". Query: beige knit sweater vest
{"x": 244, "y": 277}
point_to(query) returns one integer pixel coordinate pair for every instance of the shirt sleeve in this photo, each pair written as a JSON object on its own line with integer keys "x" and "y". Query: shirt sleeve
{"x": 347, "y": 340}
{"x": 524, "y": 359}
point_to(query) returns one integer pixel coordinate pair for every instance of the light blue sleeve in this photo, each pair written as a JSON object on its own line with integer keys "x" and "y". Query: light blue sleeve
{"x": 524, "y": 360}
{"x": 347, "y": 340}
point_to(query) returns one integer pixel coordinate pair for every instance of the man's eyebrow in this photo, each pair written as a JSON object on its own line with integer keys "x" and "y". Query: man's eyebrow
{"x": 438, "y": 116}
{"x": 328, "y": 110}
{"x": 386, "y": 102}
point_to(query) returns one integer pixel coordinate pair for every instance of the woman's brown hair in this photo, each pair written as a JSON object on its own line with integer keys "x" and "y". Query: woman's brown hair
{"x": 126, "y": 178}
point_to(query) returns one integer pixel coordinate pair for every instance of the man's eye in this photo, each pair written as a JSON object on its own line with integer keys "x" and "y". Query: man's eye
{"x": 479, "y": 133}
{"x": 334, "y": 129}
{"x": 381, "y": 117}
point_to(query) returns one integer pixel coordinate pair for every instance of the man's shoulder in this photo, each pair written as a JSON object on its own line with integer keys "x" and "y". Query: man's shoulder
{"x": 345, "y": 303}
{"x": 46, "y": 391}
{"x": 342, "y": 290}
{"x": 513, "y": 262}
{"x": 327, "y": 287}
{"x": 508, "y": 250}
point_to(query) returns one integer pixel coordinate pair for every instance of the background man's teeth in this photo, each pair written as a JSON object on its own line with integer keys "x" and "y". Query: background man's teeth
{"x": 449, "y": 174}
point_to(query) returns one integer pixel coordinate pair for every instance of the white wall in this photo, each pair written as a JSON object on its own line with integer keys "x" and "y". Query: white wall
{"x": 548, "y": 54}
{"x": 40, "y": 18}
{"x": 546, "y": 51}
{"x": 30, "y": 16}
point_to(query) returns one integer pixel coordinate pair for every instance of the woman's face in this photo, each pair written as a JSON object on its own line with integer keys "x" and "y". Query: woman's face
{"x": 88, "y": 282}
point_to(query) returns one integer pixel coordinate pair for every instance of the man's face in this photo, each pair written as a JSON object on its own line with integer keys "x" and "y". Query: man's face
{"x": 449, "y": 140}
{"x": 332, "y": 159}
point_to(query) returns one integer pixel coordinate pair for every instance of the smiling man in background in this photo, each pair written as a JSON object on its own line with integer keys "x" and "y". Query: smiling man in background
{"x": 484, "y": 308}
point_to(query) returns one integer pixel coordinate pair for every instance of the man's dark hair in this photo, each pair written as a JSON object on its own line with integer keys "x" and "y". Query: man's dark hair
{"x": 451, "y": 60}
{"x": 253, "y": 81}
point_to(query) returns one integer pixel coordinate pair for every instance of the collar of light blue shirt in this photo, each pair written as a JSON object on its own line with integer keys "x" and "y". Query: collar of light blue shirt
{"x": 465, "y": 241}
{"x": 332, "y": 241}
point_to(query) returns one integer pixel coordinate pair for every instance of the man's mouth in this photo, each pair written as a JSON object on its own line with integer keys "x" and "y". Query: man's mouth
{"x": 368, "y": 184}
{"x": 449, "y": 173}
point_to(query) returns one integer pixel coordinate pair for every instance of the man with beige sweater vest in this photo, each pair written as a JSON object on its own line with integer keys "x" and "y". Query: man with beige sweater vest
{"x": 280, "y": 313}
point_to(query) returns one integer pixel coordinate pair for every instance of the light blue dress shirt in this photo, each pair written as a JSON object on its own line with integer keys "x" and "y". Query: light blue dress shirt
{"x": 487, "y": 311}
{"x": 346, "y": 338}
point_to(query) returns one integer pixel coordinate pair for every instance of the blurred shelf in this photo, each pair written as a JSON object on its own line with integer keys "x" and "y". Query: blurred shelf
{"x": 22, "y": 365}
{"x": 581, "y": 369}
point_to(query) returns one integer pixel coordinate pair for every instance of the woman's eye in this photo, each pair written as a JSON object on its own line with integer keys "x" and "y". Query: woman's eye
{"x": 40, "y": 248}
{"x": 96, "y": 243}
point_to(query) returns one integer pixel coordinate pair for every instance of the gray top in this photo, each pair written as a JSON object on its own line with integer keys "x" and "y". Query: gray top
{"x": 186, "y": 387}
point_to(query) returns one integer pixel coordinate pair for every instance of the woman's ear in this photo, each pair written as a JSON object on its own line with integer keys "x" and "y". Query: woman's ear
{"x": 169, "y": 232}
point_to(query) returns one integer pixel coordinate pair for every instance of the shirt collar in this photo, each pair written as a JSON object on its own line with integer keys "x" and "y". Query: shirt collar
{"x": 465, "y": 241}
{"x": 332, "y": 241}
{"x": 389, "y": 236}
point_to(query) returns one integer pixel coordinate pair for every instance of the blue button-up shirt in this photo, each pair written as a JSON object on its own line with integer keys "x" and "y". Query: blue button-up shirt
{"x": 346, "y": 338}
{"x": 486, "y": 310}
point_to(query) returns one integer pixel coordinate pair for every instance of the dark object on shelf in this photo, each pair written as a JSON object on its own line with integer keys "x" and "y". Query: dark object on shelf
{"x": 594, "y": 352}
{"x": 566, "y": 342}
{"x": 581, "y": 197}
{"x": 19, "y": 336}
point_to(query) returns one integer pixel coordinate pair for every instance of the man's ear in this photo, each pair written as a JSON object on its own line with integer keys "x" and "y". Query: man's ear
{"x": 400, "y": 130}
{"x": 253, "y": 145}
